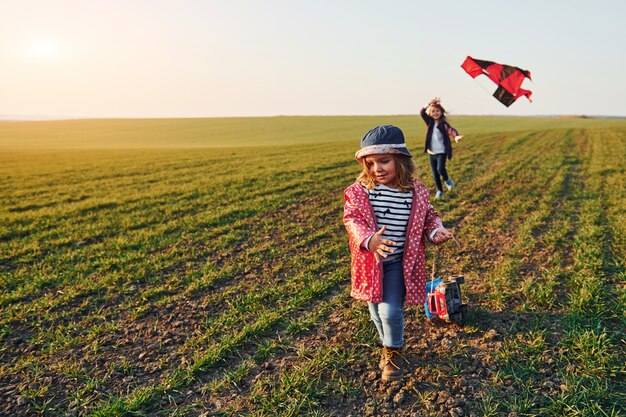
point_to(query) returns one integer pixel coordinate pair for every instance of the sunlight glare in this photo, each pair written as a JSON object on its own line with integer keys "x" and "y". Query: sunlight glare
{"x": 44, "y": 48}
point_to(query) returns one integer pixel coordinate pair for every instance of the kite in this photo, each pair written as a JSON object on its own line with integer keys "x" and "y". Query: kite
{"x": 509, "y": 79}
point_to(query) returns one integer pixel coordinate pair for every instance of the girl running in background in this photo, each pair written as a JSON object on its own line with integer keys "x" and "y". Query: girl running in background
{"x": 389, "y": 219}
{"x": 438, "y": 144}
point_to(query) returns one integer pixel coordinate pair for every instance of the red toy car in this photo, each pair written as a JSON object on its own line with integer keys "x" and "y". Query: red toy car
{"x": 444, "y": 300}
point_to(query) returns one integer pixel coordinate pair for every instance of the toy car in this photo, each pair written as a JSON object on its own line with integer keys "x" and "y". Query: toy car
{"x": 444, "y": 300}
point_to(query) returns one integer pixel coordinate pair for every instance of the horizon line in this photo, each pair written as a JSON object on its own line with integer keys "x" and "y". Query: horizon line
{"x": 43, "y": 118}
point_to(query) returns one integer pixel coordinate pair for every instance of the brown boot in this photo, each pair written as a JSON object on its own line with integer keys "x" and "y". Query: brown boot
{"x": 391, "y": 364}
{"x": 383, "y": 359}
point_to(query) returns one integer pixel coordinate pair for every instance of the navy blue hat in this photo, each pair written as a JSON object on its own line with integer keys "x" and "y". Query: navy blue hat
{"x": 382, "y": 140}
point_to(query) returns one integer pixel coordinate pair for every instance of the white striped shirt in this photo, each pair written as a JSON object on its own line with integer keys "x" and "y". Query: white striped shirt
{"x": 392, "y": 208}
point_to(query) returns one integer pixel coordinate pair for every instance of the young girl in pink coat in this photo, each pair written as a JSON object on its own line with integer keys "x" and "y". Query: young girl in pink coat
{"x": 389, "y": 219}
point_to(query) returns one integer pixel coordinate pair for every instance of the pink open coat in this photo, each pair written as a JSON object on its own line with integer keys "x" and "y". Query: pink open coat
{"x": 366, "y": 266}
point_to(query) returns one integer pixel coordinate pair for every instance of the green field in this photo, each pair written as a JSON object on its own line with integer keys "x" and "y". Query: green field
{"x": 200, "y": 267}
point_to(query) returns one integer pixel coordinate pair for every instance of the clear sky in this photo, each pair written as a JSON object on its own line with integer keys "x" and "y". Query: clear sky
{"x": 194, "y": 58}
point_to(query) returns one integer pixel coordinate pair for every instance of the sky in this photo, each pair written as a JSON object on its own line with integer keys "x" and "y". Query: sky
{"x": 194, "y": 58}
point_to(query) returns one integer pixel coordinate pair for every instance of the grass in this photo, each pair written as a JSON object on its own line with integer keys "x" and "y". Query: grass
{"x": 178, "y": 267}
{"x": 115, "y": 134}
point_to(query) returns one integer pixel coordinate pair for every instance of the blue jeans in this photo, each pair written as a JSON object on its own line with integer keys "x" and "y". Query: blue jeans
{"x": 388, "y": 316}
{"x": 438, "y": 166}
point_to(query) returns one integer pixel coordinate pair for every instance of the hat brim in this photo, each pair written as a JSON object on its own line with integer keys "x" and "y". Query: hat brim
{"x": 380, "y": 150}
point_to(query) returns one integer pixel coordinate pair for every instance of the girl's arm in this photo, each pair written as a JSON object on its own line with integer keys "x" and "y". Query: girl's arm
{"x": 453, "y": 132}
{"x": 427, "y": 119}
{"x": 432, "y": 222}
{"x": 355, "y": 223}
{"x": 433, "y": 228}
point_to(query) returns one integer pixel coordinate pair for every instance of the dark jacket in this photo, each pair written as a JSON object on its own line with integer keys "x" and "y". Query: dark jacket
{"x": 445, "y": 129}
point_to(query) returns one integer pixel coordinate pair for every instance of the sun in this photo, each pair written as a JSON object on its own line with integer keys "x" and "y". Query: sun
{"x": 42, "y": 48}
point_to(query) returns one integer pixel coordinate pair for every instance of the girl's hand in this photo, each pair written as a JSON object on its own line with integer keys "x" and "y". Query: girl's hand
{"x": 458, "y": 138}
{"x": 379, "y": 245}
{"x": 435, "y": 100}
{"x": 442, "y": 235}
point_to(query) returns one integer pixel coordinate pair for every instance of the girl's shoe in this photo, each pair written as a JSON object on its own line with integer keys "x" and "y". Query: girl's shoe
{"x": 439, "y": 195}
{"x": 449, "y": 184}
{"x": 392, "y": 364}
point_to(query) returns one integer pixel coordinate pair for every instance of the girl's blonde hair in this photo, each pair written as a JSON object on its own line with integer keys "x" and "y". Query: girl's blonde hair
{"x": 406, "y": 173}
{"x": 438, "y": 106}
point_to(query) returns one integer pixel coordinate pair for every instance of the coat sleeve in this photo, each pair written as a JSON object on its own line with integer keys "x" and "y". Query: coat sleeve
{"x": 356, "y": 225}
{"x": 451, "y": 131}
{"x": 427, "y": 119}
{"x": 432, "y": 220}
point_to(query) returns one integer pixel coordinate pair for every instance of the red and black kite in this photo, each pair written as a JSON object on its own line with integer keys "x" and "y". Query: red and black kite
{"x": 509, "y": 79}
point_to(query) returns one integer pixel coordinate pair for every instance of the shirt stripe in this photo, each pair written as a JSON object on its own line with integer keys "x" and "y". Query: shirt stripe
{"x": 392, "y": 209}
